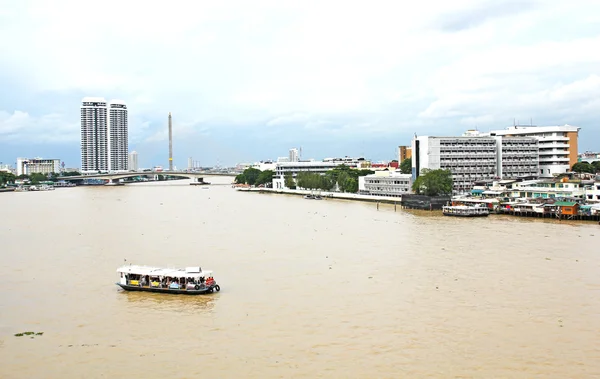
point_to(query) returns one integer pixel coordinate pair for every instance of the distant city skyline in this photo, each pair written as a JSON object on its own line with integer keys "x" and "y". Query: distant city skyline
{"x": 294, "y": 80}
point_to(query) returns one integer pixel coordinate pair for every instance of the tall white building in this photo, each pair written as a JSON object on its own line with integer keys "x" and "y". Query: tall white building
{"x": 294, "y": 156}
{"x": 118, "y": 136}
{"x": 28, "y": 166}
{"x": 557, "y": 146}
{"x": 132, "y": 163}
{"x": 94, "y": 134}
{"x": 474, "y": 158}
{"x": 104, "y": 135}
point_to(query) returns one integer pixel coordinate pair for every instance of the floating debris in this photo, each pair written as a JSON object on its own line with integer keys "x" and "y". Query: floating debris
{"x": 29, "y": 334}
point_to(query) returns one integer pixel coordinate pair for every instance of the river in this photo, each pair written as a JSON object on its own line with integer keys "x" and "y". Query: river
{"x": 310, "y": 289}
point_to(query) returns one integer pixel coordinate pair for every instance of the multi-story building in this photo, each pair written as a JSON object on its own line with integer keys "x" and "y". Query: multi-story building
{"x": 118, "y": 136}
{"x": 28, "y": 166}
{"x": 294, "y": 155}
{"x": 404, "y": 152}
{"x": 557, "y": 146}
{"x": 132, "y": 163}
{"x": 94, "y": 135}
{"x": 104, "y": 135}
{"x": 473, "y": 158}
{"x": 385, "y": 183}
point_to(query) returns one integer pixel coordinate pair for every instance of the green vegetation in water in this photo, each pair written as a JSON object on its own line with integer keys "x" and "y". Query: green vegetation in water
{"x": 29, "y": 334}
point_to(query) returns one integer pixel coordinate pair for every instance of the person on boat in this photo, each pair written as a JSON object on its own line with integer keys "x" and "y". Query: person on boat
{"x": 174, "y": 285}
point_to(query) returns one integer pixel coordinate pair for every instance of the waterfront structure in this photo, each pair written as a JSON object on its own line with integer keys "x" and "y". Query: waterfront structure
{"x": 28, "y": 166}
{"x": 104, "y": 135}
{"x": 170, "y": 143}
{"x": 294, "y": 155}
{"x": 133, "y": 164}
{"x": 404, "y": 152}
{"x": 385, "y": 183}
{"x": 94, "y": 134}
{"x": 592, "y": 191}
{"x": 118, "y": 136}
{"x": 589, "y": 157}
{"x": 473, "y": 157}
{"x": 557, "y": 146}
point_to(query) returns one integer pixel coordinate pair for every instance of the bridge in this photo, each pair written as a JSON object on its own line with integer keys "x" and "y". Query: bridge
{"x": 112, "y": 176}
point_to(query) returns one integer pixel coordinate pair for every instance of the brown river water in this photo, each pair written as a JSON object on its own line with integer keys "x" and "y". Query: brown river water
{"x": 310, "y": 289}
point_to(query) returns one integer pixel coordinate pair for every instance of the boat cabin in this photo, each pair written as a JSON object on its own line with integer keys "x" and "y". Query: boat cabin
{"x": 190, "y": 278}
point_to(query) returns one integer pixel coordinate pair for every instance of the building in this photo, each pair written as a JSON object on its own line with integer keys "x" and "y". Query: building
{"x": 589, "y": 157}
{"x": 27, "y": 166}
{"x": 94, "y": 134}
{"x": 132, "y": 163}
{"x": 404, "y": 152}
{"x": 104, "y": 135}
{"x": 294, "y": 155}
{"x": 472, "y": 158}
{"x": 385, "y": 183}
{"x": 557, "y": 146}
{"x": 118, "y": 136}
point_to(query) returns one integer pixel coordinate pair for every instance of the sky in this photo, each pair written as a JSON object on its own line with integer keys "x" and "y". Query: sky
{"x": 248, "y": 80}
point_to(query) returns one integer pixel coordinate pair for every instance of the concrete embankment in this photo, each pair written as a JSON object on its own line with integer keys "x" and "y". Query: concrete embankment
{"x": 328, "y": 195}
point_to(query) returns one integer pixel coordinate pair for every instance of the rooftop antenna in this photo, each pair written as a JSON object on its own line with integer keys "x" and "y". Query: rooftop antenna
{"x": 531, "y": 121}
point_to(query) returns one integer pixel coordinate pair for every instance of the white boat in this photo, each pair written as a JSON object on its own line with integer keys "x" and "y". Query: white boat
{"x": 182, "y": 281}
{"x": 465, "y": 211}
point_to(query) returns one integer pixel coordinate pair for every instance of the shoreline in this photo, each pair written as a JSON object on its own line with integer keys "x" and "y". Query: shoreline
{"x": 327, "y": 195}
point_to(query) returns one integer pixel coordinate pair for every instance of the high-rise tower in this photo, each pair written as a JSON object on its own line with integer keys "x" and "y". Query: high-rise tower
{"x": 118, "y": 136}
{"x": 94, "y": 135}
{"x": 104, "y": 135}
{"x": 170, "y": 144}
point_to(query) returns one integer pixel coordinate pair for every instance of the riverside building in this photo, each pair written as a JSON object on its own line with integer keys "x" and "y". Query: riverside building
{"x": 472, "y": 158}
{"x": 28, "y": 166}
{"x": 104, "y": 135}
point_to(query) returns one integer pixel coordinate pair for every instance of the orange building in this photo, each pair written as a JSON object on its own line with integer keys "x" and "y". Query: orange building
{"x": 404, "y": 152}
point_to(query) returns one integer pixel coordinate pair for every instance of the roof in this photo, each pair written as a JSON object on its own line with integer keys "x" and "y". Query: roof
{"x": 565, "y": 203}
{"x": 188, "y": 272}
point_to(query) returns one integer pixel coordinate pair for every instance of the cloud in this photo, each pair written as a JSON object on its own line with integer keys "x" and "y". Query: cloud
{"x": 248, "y": 80}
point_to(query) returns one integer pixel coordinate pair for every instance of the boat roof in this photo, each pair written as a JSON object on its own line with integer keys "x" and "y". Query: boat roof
{"x": 188, "y": 272}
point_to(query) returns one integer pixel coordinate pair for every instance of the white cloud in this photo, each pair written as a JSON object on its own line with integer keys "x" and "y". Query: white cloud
{"x": 345, "y": 68}
{"x": 50, "y": 128}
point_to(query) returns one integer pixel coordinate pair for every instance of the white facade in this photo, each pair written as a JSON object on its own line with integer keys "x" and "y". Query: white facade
{"x": 557, "y": 146}
{"x": 28, "y": 166}
{"x": 132, "y": 163}
{"x": 294, "y": 156}
{"x": 391, "y": 183}
{"x": 473, "y": 158}
{"x": 118, "y": 136}
{"x": 293, "y": 168}
{"x": 94, "y": 135}
{"x": 592, "y": 191}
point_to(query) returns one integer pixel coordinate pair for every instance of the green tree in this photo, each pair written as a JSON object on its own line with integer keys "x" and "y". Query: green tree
{"x": 35, "y": 178}
{"x": 7, "y": 177}
{"x": 406, "y": 166}
{"x": 289, "y": 180}
{"x": 240, "y": 179}
{"x": 583, "y": 167}
{"x": 265, "y": 177}
{"x": 433, "y": 183}
{"x": 251, "y": 174}
{"x": 596, "y": 165}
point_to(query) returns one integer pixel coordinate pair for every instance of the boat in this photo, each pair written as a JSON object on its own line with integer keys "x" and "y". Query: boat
{"x": 309, "y": 196}
{"x": 179, "y": 281}
{"x": 465, "y": 211}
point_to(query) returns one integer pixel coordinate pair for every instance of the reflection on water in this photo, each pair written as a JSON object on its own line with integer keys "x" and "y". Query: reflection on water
{"x": 169, "y": 302}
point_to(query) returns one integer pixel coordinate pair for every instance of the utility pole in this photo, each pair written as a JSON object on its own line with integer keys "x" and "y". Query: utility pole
{"x": 170, "y": 143}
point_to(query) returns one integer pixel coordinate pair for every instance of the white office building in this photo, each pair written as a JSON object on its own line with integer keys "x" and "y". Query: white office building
{"x": 132, "y": 163}
{"x": 28, "y": 166}
{"x": 473, "y": 158}
{"x": 385, "y": 183}
{"x": 104, "y": 135}
{"x": 294, "y": 155}
{"x": 558, "y": 149}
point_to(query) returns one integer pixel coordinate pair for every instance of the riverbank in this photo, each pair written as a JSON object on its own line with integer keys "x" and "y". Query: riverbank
{"x": 326, "y": 194}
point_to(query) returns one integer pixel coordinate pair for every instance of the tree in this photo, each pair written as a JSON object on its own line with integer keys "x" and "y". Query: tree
{"x": 251, "y": 174}
{"x": 240, "y": 179}
{"x": 596, "y": 165}
{"x": 7, "y": 177}
{"x": 583, "y": 167}
{"x": 433, "y": 183}
{"x": 265, "y": 177}
{"x": 406, "y": 166}
{"x": 289, "y": 180}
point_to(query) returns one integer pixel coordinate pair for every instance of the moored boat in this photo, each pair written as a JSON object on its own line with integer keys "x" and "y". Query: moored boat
{"x": 182, "y": 281}
{"x": 465, "y": 211}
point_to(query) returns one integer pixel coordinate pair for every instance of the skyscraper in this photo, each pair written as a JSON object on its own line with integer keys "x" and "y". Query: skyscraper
{"x": 294, "y": 156}
{"x": 133, "y": 161}
{"x": 118, "y": 136}
{"x": 94, "y": 135}
{"x": 104, "y": 135}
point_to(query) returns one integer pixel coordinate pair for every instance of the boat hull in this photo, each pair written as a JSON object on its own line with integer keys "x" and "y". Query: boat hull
{"x": 459, "y": 215}
{"x": 201, "y": 291}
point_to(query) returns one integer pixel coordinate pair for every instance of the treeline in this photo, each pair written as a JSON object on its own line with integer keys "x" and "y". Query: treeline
{"x": 255, "y": 177}
{"x": 35, "y": 178}
{"x": 590, "y": 168}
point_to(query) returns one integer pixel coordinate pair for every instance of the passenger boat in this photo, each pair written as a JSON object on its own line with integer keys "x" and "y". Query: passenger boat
{"x": 465, "y": 211}
{"x": 182, "y": 281}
